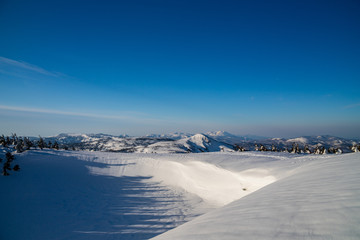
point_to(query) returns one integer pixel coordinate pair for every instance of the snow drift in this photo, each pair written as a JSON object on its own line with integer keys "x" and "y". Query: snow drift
{"x": 318, "y": 201}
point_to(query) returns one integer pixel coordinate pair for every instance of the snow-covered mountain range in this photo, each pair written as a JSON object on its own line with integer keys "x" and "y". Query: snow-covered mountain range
{"x": 177, "y": 143}
{"x": 184, "y": 142}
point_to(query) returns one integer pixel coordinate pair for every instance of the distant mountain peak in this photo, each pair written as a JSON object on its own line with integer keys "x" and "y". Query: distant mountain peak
{"x": 220, "y": 134}
{"x": 199, "y": 137}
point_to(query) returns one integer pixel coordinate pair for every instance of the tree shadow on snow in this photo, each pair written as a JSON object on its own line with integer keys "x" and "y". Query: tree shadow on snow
{"x": 55, "y": 197}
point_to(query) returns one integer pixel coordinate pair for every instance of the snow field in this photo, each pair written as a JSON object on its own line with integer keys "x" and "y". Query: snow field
{"x": 252, "y": 195}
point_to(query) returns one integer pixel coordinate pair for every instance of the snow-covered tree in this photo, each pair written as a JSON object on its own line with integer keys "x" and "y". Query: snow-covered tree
{"x": 8, "y": 141}
{"x": 295, "y": 148}
{"x": 338, "y": 151}
{"x": 41, "y": 143}
{"x": 262, "y": 148}
{"x": 3, "y": 141}
{"x": 27, "y": 143}
{"x": 7, "y": 164}
{"x": 239, "y": 148}
{"x": 6, "y": 167}
{"x": 273, "y": 148}
{"x": 285, "y": 150}
{"x": 324, "y": 150}
{"x": 19, "y": 146}
{"x": 9, "y": 157}
{"x": 355, "y": 148}
{"x": 55, "y": 145}
{"x": 14, "y": 139}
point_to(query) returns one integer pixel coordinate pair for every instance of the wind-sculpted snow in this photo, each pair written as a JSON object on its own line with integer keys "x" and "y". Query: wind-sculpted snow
{"x": 213, "y": 184}
{"x": 320, "y": 200}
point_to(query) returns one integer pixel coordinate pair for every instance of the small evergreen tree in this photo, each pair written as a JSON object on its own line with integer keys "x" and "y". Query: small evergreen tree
{"x": 6, "y": 167}
{"x": 55, "y": 145}
{"x": 8, "y": 141}
{"x": 7, "y": 164}
{"x": 262, "y": 148}
{"x": 27, "y": 143}
{"x": 19, "y": 146}
{"x": 331, "y": 150}
{"x": 295, "y": 148}
{"x": 324, "y": 151}
{"x": 273, "y": 148}
{"x": 3, "y": 141}
{"x": 355, "y": 148}
{"x": 14, "y": 139}
{"x": 9, "y": 157}
{"x": 41, "y": 143}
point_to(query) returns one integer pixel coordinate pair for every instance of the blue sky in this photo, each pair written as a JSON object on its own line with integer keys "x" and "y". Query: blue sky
{"x": 271, "y": 68}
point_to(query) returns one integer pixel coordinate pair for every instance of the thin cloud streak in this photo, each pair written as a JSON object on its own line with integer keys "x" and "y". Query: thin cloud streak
{"x": 28, "y": 66}
{"x": 75, "y": 114}
{"x": 352, "y": 105}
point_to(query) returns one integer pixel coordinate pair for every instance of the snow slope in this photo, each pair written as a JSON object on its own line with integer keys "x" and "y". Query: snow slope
{"x": 255, "y": 195}
{"x": 320, "y": 200}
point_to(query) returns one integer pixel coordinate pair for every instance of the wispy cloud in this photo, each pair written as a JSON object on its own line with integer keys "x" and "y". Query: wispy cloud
{"x": 353, "y": 105}
{"x": 125, "y": 116}
{"x": 28, "y": 66}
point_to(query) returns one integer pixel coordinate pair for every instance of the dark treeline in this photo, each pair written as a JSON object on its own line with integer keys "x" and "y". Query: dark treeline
{"x": 296, "y": 149}
{"x": 21, "y": 144}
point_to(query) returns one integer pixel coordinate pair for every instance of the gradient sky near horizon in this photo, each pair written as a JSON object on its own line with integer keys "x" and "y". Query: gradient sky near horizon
{"x": 269, "y": 68}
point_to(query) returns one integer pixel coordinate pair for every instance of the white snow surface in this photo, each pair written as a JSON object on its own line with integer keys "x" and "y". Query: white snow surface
{"x": 320, "y": 200}
{"x": 222, "y": 195}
